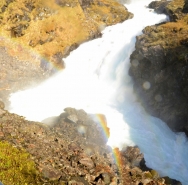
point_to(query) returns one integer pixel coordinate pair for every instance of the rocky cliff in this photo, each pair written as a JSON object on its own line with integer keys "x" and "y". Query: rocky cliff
{"x": 71, "y": 148}
{"x": 53, "y": 28}
{"x": 159, "y": 66}
{"x": 36, "y": 34}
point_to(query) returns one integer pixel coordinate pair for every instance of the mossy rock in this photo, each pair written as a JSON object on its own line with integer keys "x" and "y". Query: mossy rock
{"x": 174, "y": 9}
{"x": 48, "y": 28}
{"x": 16, "y": 166}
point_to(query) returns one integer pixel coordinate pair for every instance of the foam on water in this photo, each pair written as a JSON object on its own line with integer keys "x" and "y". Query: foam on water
{"x": 96, "y": 79}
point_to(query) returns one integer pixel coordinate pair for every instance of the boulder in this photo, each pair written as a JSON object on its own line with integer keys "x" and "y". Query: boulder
{"x": 159, "y": 6}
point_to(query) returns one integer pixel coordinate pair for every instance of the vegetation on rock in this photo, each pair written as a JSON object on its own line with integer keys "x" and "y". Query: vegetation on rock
{"x": 54, "y": 28}
{"x": 61, "y": 154}
{"x": 16, "y": 166}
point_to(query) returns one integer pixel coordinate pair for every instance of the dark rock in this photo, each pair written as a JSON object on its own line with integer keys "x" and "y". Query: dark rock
{"x": 185, "y": 8}
{"x": 159, "y": 6}
{"x": 160, "y": 70}
{"x": 85, "y": 3}
{"x": 174, "y": 9}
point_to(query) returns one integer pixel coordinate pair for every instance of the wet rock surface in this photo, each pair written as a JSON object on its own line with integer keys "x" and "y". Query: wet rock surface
{"x": 159, "y": 67}
{"x": 159, "y": 6}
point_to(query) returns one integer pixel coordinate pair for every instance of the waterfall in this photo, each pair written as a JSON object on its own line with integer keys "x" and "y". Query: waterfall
{"x": 96, "y": 79}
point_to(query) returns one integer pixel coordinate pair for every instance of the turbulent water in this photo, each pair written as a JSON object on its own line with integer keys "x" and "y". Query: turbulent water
{"x": 96, "y": 79}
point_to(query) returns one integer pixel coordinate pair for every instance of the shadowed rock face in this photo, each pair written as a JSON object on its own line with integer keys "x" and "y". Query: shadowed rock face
{"x": 159, "y": 67}
{"x": 185, "y": 8}
{"x": 85, "y": 3}
{"x": 159, "y": 6}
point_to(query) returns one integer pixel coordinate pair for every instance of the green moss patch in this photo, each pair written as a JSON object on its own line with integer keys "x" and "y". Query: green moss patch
{"x": 16, "y": 166}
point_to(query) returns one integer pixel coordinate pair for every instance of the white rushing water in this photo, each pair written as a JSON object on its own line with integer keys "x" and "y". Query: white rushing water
{"x": 96, "y": 79}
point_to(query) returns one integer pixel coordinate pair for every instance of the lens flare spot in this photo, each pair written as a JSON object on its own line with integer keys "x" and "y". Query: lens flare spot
{"x": 146, "y": 85}
{"x": 88, "y": 151}
{"x": 82, "y": 129}
{"x": 135, "y": 62}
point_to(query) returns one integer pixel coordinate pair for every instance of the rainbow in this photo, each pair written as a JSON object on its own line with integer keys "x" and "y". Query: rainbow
{"x": 103, "y": 123}
{"x": 118, "y": 159}
{"x": 17, "y": 48}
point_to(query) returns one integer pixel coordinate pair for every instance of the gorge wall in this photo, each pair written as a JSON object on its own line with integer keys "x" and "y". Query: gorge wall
{"x": 159, "y": 65}
{"x": 60, "y": 161}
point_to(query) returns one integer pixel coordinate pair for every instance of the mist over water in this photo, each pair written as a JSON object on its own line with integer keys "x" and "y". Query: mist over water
{"x": 96, "y": 79}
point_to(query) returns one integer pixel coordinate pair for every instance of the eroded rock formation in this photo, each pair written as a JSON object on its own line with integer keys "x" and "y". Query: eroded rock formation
{"x": 159, "y": 66}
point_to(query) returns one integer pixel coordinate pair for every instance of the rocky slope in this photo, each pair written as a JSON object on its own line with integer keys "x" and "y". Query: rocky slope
{"x": 53, "y": 28}
{"x": 159, "y": 66}
{"x": 36, "y": 34}
{"x": 69, "y": 150}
